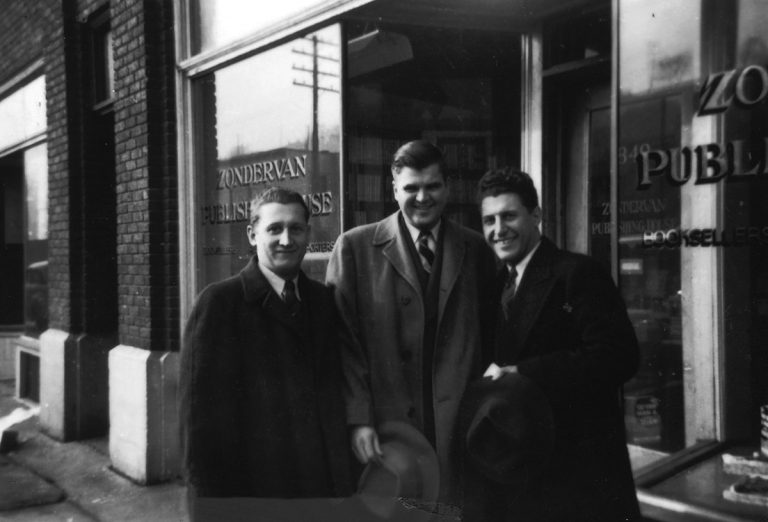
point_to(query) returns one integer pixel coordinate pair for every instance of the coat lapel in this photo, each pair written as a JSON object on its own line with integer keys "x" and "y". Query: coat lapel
{"x": 258, "y": 292}
{"x": 319, "y": 315}
{"x": 395, "y": 249}
{"x": 454, "y": 250}
{"x": 533, "y": 291}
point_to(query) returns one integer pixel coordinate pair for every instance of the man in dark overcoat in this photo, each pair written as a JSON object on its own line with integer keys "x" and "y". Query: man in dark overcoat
{"x": 262, "y": 411}
{"x": 561, "y": 323}
{"x": 411, "y": 289}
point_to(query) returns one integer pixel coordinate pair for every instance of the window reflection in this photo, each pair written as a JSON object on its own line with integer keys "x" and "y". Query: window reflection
{"x": 659, "y": 60}
{"x": 659, "y": 44}
{"x": 272, "y": 119}
{"x": 746, "y": 266}
{"x": 456, "y": 88}
{"x": 221, "y": 22}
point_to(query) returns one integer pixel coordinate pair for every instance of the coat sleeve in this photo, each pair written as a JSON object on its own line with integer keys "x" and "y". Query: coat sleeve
{"x": 604, "y": 351}
{"x": 208, "y": 382}
{"x": 342, "y": 277}
{"x": 489, "y": 299}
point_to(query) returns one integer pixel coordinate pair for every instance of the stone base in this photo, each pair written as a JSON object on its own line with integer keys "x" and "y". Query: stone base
{"x": 143, "y": 414}
{"x": 7, "y": 355}
{"x": 73, "y": 385}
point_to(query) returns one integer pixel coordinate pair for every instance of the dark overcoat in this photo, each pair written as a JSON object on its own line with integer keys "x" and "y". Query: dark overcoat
{"x": 568, "y": 330}
{"x": 379, "y": 295}
{"x": 262, "y": 412}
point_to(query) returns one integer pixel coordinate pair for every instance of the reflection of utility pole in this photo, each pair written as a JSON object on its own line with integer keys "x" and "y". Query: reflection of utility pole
{"x": 316, "y": 88}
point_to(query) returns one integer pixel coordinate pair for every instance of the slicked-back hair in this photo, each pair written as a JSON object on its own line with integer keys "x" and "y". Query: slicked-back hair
{"x": 277, "y": 195}
{"x": 418, "y": 155}
{"x": 508, "y": 180}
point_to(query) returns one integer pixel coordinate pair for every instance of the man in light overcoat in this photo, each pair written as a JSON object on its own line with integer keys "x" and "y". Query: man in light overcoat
{"x": 411, "y": 290}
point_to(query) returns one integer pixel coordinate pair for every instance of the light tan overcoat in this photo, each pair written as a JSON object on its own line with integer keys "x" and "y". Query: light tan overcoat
{"x": 380, "y": 299}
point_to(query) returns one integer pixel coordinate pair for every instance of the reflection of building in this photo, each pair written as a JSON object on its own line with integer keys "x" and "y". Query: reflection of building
{"x": 133, "y": 161}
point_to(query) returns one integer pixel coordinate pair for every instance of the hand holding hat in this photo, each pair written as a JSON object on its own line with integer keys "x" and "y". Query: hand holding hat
{"x": 407, "y": 470}
{"x": 510, "y": 430}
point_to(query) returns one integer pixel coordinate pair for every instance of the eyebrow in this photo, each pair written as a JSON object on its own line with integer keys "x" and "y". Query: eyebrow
{"x": 430, "y": 185}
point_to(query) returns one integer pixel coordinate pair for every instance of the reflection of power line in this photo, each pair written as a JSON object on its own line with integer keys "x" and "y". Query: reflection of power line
{"x": 315, "y": 86}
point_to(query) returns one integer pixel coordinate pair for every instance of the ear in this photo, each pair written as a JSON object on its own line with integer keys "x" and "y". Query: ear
{"x": 251, "y": 232}
{"x": 537, "y": 215}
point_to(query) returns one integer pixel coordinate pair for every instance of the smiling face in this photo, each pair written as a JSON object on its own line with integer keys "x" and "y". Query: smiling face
{"x": 421, "y": 194}
{"x": 280, "y": 236}
{"x": 509, "y": 227}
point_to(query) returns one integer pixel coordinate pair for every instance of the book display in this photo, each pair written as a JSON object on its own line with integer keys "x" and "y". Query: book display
{"x": 467, "y": 158}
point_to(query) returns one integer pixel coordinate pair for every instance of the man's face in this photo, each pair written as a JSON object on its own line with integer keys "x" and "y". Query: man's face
{"x": 421, "y": 194}
{"x": 280, "y": 237}
{"x": 510, "y": 228}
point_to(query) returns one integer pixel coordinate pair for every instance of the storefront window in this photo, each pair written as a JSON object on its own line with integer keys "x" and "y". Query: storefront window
{"x": 659, "y": 61}
{"x": 22, "y": 114}
{"x": 742, "y": 111}
{"x": 457, "y": 88}
{"x": 269, "y": 120}
{"x": 221, "y": 22}
{"x": 36, "y": 244}
{"x": 693, "y": 225}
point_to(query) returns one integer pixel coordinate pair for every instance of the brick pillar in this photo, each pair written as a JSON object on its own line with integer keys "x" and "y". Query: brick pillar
{"x": 143, "y": 368}
{"x": 73, "y": 362}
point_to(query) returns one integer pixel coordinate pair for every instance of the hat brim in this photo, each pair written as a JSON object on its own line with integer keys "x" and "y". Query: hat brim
{"x": 408, "y": 469}
{"x": 510, "y": 435}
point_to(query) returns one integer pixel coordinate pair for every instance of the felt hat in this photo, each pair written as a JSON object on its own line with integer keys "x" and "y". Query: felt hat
{"x": 408, "y": 475}
{"x": 509, "y": 429}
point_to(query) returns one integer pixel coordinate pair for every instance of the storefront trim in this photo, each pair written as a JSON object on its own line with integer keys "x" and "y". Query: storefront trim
{"x": 532, "y": 111}
{"x": 28, "y": 143}
{"x": 33, "y": 70}
{"x": 321, "y": 14}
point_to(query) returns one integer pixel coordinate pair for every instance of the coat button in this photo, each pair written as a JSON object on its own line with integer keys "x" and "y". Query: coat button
{"x": 405, "y": 300}
{"x": 406, "y": 355}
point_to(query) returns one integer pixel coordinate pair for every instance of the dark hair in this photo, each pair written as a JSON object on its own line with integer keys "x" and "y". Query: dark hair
{"x": 508, "y": 180}
{"x": 277, "y": 195}
{"x": 418, "y": 155}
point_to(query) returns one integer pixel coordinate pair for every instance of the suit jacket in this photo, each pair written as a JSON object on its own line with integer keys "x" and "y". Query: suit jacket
{"x": 262, "y": 412}
{"x": 379, "y": 296}
{"x": 568, "y": 330}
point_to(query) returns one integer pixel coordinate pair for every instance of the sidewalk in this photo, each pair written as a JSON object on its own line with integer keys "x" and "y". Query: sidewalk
{"x": 73, "y": 481}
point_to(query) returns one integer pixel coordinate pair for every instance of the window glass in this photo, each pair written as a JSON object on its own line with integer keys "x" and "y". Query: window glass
{"x": 270, "y": 120}
{"x": 221, "y": 22}
{"x": 36, "y": 177}
{"x": 11, "y": 239}
{"x": 743, "y": 111}
{"x": 36, "y": 244}
{"x": 459, "y": 89}
{"x": 22, "y": 114}
{"x": 103, "y": 64}
{"x": 659, "y": 59}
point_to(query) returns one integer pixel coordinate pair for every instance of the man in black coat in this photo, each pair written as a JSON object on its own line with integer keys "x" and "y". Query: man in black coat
{"x": 262, "y": 413}
{"x": 562, "y": 324}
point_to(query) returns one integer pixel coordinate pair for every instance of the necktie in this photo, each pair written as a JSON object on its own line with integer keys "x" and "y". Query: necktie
{"x": 509, "y": 290}
{"x": 289, "y": 296}
{"x": 427, "y": 256}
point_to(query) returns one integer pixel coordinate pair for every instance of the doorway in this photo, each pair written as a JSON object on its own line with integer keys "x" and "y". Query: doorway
{"x": 12, "y": 242}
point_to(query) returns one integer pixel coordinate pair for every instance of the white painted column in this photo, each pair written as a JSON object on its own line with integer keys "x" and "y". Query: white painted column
{"x": 143, "y": 414}
{"x": 53, "y": 394}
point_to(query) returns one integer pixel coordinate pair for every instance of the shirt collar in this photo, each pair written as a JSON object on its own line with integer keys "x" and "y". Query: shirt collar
{"x": 415, "y": 231}
{"x": 523, "y": 264}
{"x": 277, "y": 283}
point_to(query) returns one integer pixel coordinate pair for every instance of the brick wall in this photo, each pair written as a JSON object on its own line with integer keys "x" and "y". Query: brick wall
{"x": 145, "y": 222}
{"x": 23, "y": 27}
{"x": 145, "y": 145}
{"x": 59, "y": 157}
